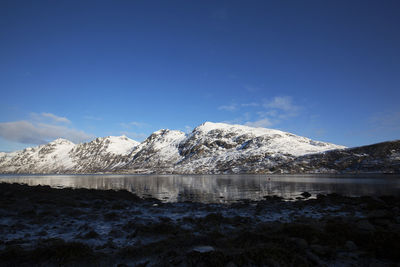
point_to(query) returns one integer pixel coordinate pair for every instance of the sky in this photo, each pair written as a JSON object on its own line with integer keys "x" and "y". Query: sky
{"x": 327, "y": 70}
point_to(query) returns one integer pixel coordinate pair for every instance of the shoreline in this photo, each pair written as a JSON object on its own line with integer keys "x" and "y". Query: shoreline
{"x": 344, "y": 174}
{"x": 40, "y": 225}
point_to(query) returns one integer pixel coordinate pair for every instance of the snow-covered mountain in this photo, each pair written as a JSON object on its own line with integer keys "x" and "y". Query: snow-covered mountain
{"x": 63, "y": 156}
{"x": 49, "y": 158}
{"x": 159, "y": 153}
{"x": 209, "y": 148}
{"x": 102, "y": 154}
{"x": 219, "y": 147}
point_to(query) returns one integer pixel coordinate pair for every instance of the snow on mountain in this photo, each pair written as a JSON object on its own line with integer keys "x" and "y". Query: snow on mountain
{"x": 51, "y": 157}
{"x": 263, "y": 140}
{"x": 63, "y": 156}
{"x": 221, "y": 147}
{"x": 158, "y": 153}
{"x": 102, "y": 154}
{"x": 120, "y": 145}
{"x": 210, "y": 148}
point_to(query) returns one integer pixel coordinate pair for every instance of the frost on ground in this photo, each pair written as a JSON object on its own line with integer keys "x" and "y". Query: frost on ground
{"x": 46, "y": 226}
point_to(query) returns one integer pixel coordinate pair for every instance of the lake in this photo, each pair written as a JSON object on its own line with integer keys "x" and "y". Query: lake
{"x": 221, "y": 188}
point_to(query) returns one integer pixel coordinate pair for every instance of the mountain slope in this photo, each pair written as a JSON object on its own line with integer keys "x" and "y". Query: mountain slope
{"x": 377, "y": 158}
{"x": 102, "y": 154}
{"x": 49, "y": 158}
{"x": 209, "y": 148}
{"x": 157, "y": 154}
{"x": 63, "y": 156}
{"x": 219, "y": 148}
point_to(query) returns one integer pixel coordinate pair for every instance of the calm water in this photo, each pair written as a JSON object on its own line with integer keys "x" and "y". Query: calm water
{"x": 220, "y": 188}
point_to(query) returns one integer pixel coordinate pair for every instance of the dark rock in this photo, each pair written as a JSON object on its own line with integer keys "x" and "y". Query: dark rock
{"x": 203, "y": 249}
{"x": 378, "y": 214}
{"x": 90, "y": 235}
{"x": 315, "y": 259}
{"x": 306, "y": 194}
{"x": 300, "y": 242}
{"x": 350, "y": 245}
{"x": 231, "y": 264}
{"x": 365, "y": 225}
{"x": 395, "y": 227}
{"x": 382, "y": 222}
{"x": 320, "y": 250}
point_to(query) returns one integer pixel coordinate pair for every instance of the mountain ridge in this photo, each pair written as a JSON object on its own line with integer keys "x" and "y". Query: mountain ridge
{"x": 211, "y": 148}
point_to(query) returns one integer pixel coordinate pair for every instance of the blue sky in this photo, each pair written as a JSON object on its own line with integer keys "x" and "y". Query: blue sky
{"x": 328, "y": 70}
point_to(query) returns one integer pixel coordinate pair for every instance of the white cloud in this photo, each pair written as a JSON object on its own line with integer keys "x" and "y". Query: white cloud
{"x": 239, "y": 120}
{"x": 264, "y": 113}
{"x": 55, "y": 118}
{"x": 39, "y": 133}
{"x": 253, "y": 104}
{"x": 283, "y": 103}
{"x": 231, "y": 107}
{"x": 137, "y": 124}
{"x": 49, "y": 117}
{"x": 265, "y": 122}
{"x": 133, "y": 123}
{"x": 280, "y": 107}
{"x": 269, "y": 113}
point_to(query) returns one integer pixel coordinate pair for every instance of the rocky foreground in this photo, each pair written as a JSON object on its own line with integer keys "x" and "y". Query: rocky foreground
{"x": 80, "y": 227}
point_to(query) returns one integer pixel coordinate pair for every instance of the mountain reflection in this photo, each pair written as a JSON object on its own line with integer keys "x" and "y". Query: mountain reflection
{"x": 219, "y": 188}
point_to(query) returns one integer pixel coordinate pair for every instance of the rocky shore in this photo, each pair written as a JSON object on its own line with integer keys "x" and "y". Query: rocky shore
{"x": 80, "y": 227}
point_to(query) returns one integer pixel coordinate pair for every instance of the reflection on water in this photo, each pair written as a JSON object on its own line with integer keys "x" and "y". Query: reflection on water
{"x": 220, "y": 188}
